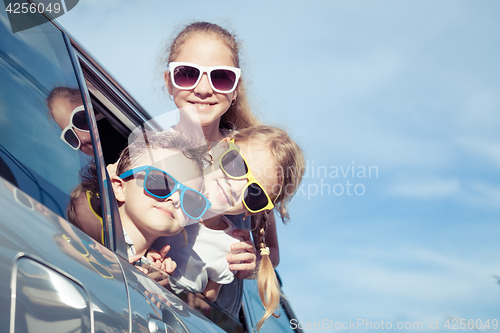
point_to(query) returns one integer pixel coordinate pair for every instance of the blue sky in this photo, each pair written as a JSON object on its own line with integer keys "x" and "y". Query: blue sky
{"x": 408, "y": 88}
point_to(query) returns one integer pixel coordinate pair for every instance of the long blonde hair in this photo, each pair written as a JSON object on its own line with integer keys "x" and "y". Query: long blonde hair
{"x": 290, "y": 163}
{"x": 239, "y": 115}
{"x": 267, "y": 281}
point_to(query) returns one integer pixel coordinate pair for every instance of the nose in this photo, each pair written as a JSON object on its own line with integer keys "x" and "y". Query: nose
{"x": 175, "y": 198}
{"x": 203, "y": 87}
{"x": 236, "y": 187}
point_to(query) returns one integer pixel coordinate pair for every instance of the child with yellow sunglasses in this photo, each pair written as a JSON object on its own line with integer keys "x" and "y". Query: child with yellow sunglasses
{"x": 258, "y": 169}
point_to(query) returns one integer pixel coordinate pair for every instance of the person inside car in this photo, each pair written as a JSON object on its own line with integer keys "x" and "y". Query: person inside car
{"x": 157, "y": 186}
{"x": 201, "y": 68}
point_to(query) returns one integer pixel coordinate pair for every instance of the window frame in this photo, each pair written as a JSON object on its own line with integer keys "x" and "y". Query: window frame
{"x": 113, "y": 231}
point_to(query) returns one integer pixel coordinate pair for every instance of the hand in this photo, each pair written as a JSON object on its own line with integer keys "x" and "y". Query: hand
{"x": 133, "y": 259}
{"x": 242, "y": 257}
{"x": 161, "y": 261}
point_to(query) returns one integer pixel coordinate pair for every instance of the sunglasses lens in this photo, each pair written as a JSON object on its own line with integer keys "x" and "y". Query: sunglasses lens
{"x": 234, "y": 164}
{"x": 95, "y": 204}
{"x": 159, "y": 184}
{"x": 255, "y": 198}
{"x": 80, "y": 121}
{"x": 223, "y": 79}
{"x": 72, "y": 139}
{"x": 186, "y": 76}
{"x": 194, "y": 204}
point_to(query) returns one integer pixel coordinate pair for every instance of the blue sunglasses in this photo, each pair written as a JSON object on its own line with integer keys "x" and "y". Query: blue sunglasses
{"x": 161, "y": 185}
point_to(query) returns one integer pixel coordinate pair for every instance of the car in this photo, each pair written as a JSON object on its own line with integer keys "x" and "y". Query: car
{"x": 54, "y": 277}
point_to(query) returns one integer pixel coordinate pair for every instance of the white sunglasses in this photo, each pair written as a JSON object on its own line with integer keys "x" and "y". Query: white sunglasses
{"x": 77, "y": 120}
{"x": 186, "y": 75}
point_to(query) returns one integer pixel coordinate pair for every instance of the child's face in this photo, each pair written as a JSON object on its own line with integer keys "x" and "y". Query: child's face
{"x": 225, "y": 193}
{"x": 160, "y": 217}
{"x": 61, "y": 111}
{"x": 203, "y": 50}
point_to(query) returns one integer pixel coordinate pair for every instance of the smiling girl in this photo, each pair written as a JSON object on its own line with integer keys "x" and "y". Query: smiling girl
{"x": 203, "y": 70}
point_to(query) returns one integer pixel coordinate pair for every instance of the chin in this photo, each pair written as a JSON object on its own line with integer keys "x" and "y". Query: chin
{"x": 220, "y": 210}
{"x": 173, "y": 231}
{"x": 208, "y": 120}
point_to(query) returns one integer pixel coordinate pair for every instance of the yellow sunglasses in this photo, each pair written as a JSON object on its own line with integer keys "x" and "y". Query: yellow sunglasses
{"x": 234, "y": 165}
{"x": 95, "y": 206}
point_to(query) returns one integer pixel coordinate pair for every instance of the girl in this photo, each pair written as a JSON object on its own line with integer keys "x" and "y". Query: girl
{"x": 202, "y": 70}
{"x": 260, "y": 168}
{"x": 157, "y": 186}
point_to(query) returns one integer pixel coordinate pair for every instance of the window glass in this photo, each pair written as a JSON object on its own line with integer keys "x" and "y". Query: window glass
{"x": 45, "y": 141}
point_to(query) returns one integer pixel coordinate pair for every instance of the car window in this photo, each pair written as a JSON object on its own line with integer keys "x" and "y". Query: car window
{"x": 115, "y": 118}
{"x": 45, "y": 142}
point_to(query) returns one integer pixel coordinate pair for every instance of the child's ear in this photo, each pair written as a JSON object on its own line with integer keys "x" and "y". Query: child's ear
{"x": 118, "y": 188}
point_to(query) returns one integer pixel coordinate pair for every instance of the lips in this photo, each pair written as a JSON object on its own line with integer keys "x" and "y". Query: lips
{"x": 200, "y": 105}
{"x": 221, "y": 193}
{"x": 166, "y": 211}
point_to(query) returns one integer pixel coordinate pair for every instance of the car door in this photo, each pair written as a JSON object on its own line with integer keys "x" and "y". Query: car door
{"x": 54, "y": 277}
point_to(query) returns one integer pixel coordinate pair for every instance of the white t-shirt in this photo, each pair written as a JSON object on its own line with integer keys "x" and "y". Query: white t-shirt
{"x": 202, "y": 258}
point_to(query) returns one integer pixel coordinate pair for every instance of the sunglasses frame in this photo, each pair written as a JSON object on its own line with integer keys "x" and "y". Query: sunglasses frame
{"x": 173, "y": 65}
{"x": 70, "y": 128}
{"x": 249, "y": 175}
{"x": 178, "y": 186}
{"x": 99, "y": 217}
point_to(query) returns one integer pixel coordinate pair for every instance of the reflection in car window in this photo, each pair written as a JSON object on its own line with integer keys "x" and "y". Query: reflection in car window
{"x": 44, "y": 136}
